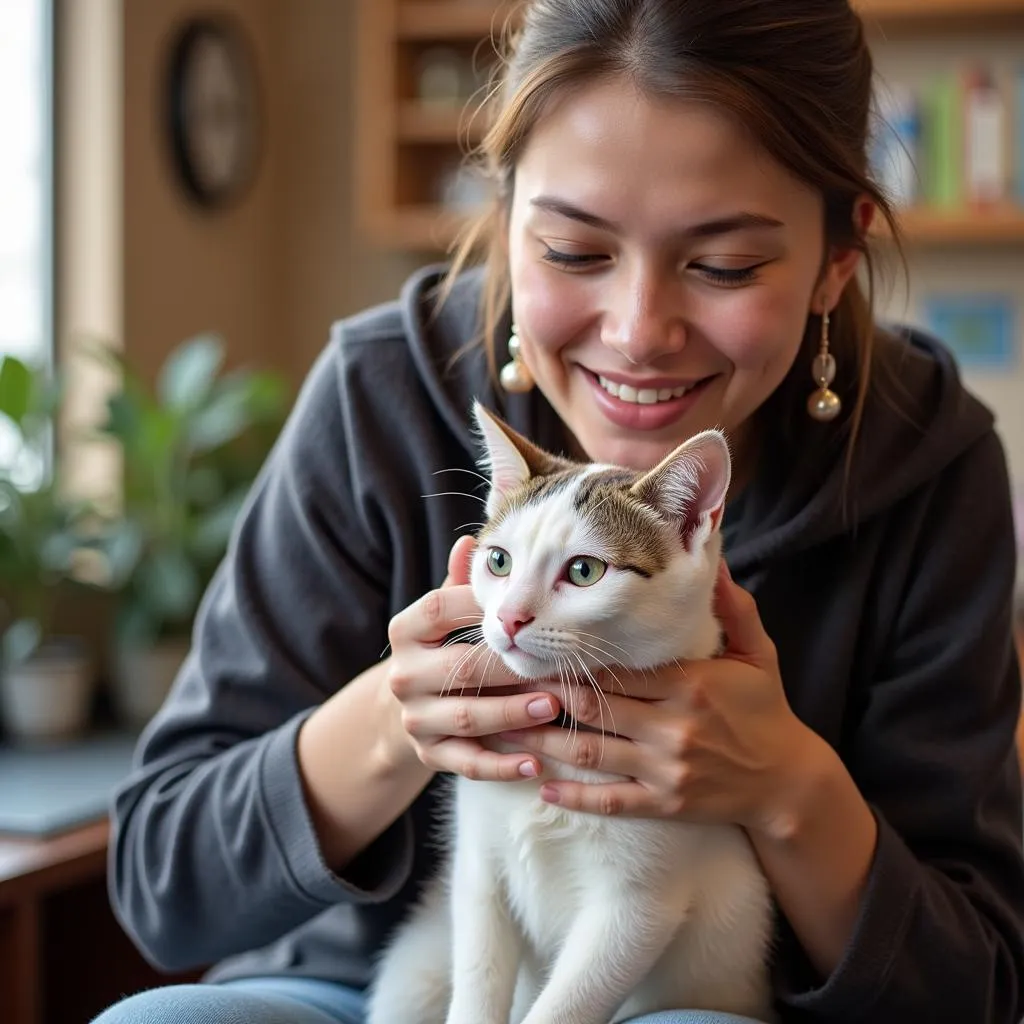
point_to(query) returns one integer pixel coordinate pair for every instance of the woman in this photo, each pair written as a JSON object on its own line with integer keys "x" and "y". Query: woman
{"x": 681, "y": 215}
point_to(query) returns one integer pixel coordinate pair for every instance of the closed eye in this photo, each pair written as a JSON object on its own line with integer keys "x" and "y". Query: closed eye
{"x": 571, "y": 260}
{"x": 729, "y": 276}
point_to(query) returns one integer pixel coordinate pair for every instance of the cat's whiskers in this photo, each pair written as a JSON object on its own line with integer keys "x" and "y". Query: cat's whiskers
{"x": 602, "y": 640}
{"x": 456, "y": 494}
{"x": 602, "y": 702}
{"x": 473, "y": 650}
{"x": 598, "y": 655}
{"x": 464, "y": 637}
{"x": 487, "y": 668}
{"x": 459, "y": 469}
{"x": 564, "y": 674}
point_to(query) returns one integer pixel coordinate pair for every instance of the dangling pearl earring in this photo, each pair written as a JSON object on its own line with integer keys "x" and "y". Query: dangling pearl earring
{"x": 824, "y": 404}
{"x": 515, "y": 375}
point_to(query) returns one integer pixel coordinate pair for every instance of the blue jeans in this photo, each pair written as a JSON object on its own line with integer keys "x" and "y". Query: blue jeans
{"x": 293, "y": 1001}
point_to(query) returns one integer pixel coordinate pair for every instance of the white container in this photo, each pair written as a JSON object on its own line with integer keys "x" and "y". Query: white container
{"x": 48, "y": 698}
{"x": 143, "y": 677}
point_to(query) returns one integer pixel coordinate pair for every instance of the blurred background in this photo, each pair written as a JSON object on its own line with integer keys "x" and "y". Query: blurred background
{"x": 190, "y": 194}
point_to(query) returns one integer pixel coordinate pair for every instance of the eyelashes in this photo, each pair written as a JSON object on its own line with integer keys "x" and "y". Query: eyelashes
{"x": 728, "y": 276}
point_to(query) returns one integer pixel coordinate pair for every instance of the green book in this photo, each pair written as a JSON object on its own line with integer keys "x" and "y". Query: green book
{"x": 943, "y": 142}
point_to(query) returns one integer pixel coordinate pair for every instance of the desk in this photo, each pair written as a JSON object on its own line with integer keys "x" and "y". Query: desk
{"x": 63, "y": 956}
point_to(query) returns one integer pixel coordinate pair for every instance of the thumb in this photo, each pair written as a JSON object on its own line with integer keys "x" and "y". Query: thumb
{"x": 458, "y": 562}
{"x": 737, "y": 613}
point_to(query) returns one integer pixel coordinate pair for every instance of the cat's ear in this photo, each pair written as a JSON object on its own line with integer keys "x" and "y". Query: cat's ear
{"x": 509, "y": 459}
{"x": 689, "y": 485}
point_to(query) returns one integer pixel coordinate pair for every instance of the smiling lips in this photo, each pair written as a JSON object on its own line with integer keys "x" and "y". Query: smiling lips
{"x": 642, "y": 396}
{"x": 647, "y": 405}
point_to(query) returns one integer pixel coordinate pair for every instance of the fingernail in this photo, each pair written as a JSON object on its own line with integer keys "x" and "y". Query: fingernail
{"x": 540, "y": 708}
{"x": 529, "y": 769}
{"x": 549, "y": 794}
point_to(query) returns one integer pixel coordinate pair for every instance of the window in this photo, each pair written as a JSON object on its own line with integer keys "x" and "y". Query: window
{"x": 26, "y": 187}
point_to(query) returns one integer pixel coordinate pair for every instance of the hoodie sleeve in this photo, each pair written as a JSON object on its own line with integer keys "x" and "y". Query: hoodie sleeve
{"x": 939, "y": 935}
{"x": 213, "y": 850}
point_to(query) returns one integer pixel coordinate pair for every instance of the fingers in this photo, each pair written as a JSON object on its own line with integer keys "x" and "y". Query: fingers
{"x": 474, "y": 717}
{"x": 741, "y": 622}
{"x": 608, "y": 713}
{"x": 473, "y": 761}
{"x": 459, "y": 560}
{"x": 610, "y": 799}
{"x": 446, "y": 672}
{"x": 592, "y": 751}
{"x": 436, "y": 614}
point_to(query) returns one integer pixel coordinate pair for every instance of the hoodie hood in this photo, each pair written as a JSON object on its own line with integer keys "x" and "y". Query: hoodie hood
{"x": 918, "y": 418}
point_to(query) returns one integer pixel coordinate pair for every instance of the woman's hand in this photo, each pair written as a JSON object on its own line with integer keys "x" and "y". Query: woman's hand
{"x": 454, "y": 695}
{"x": 712, "y": 741}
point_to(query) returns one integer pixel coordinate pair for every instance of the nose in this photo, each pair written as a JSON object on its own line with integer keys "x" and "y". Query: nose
{"x": 644, "y": 319}
{"x": 513, "y": 620}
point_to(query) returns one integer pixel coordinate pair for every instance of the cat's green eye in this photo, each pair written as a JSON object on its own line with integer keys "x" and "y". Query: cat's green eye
{"x": 499, "y": 561}
{"x": 585, "y": 571}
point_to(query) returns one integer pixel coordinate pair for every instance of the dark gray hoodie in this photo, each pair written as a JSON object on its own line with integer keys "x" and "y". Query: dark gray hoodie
{"x": 888, "y": 595}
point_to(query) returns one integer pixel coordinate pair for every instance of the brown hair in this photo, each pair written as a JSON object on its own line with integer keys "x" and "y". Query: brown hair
{"x": 797, "y": 74}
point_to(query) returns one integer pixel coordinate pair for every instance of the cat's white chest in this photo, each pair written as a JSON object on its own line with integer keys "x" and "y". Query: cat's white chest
{"x": 551, "y": 861}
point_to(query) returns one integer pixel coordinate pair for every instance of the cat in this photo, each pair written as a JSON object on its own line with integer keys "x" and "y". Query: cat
{"x": 546, "y": 916}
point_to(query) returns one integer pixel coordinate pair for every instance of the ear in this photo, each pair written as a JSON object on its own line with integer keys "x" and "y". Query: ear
{"x": 689, "y": 486}
{"x": 509, "y": 459}
{"x": 842, "y": 263}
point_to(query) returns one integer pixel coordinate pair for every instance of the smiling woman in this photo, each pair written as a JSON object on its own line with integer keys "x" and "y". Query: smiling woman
{"x": 680, "y": 214}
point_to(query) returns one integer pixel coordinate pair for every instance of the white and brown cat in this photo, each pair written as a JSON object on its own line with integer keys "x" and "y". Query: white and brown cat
{"x": 546, "y": 916}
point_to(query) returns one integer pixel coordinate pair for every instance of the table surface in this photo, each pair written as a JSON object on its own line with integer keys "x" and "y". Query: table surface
{"x": 39, "y": 864}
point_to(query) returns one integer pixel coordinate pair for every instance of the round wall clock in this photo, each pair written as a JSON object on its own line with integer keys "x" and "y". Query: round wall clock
{"x": 213, "y": 111}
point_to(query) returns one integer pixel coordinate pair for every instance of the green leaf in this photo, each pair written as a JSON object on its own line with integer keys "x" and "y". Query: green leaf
{"x": 124, "y": 414}
{"x": 213, "y": 530}
{"x": 189, "y": 372}
{"x": 169, "y": 583}
{"x": 21, "y": 641}
{"x": 16, "y": 387}
{"x": 136, "y": 625}
{"x": 203, "y": 486}
{"x": 224, "y": 419}
{"x": 122, "y": 547}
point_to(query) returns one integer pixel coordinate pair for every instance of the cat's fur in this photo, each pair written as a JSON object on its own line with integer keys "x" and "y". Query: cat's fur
{"x": 544, "y": 916}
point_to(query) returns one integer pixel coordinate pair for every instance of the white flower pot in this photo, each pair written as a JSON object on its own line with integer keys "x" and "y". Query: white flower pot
{"x": 143, "y": 677}
{"x": 48, "y": 698}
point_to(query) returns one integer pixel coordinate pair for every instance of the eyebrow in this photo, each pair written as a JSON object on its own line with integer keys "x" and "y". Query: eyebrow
{"x": 708, "y": 229}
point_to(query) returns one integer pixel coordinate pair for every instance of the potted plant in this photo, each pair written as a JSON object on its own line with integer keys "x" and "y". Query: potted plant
{"x": 46, "y": 683}
{"x": 192, "y": 445}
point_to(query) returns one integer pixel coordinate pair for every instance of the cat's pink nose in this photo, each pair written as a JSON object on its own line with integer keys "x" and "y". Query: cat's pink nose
{"x": 513, "y": 620}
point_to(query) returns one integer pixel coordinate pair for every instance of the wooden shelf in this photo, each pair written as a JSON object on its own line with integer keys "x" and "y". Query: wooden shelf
{"x": 404, "y": 146}
{"x": 471, "y": 19}
{"x": 449, "y": 19}
{"x": 931, "y": 14}
{"x": 422, "y": 228}
{"x": 996, "y": 226}
{"x": 431, "y": 228}
{"x": 420, "y": 122}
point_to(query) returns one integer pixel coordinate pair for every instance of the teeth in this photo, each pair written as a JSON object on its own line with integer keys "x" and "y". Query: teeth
{"x": 644, "y": 396}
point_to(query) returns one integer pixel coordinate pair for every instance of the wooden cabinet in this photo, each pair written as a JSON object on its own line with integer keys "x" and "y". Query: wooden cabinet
{"x": 409, "y": 147}
{"x": 63, "y": 955}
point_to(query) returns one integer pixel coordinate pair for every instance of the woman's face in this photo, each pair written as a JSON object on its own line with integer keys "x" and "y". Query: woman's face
{"x": 663, "y": 268}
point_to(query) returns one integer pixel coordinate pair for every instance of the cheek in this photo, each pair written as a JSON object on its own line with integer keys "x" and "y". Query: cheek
{"x": 551, "y": 309}
{"x": 760, "y": 331}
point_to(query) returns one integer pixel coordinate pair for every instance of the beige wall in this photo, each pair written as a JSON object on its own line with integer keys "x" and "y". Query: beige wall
{"x": 274, "y": 271}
